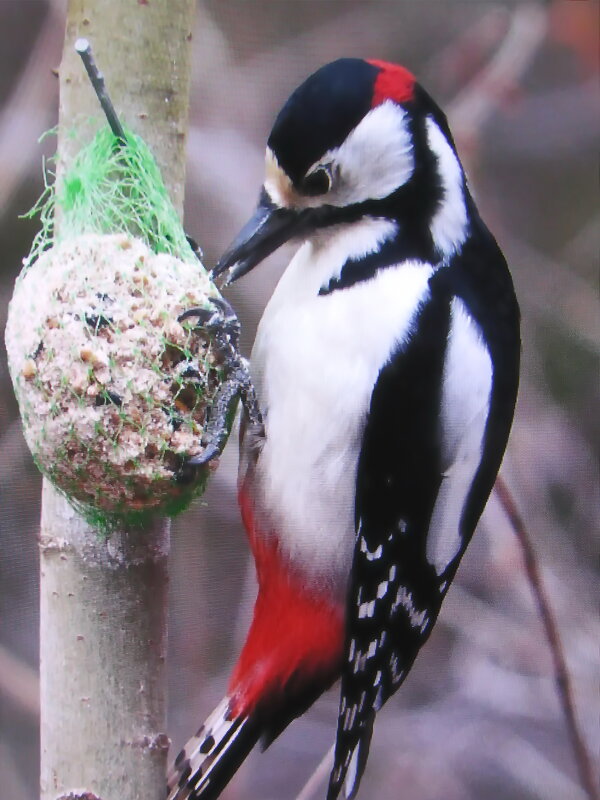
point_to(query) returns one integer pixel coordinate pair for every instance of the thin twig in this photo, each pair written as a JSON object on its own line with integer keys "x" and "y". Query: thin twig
{"x": 561, "y": 673}
{"x": 83, "y": 47}
{"x": 474, "y": 105}
{"x": 317, "y": 779}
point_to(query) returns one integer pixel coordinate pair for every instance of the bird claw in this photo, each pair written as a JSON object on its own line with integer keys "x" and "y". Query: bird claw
{"x": 209, "y": 452}
{"x": 195, "y": 247}
{"x": 223, "y": 327}
{"x": 220, "y": 321}
{"x": 189, "y": 467}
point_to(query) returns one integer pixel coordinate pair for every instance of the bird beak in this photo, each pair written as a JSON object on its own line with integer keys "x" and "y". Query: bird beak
{"x": 270, "y": 227}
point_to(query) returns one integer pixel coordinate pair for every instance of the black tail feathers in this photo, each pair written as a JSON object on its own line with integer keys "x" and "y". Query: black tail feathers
{"x": 211, "y": 758}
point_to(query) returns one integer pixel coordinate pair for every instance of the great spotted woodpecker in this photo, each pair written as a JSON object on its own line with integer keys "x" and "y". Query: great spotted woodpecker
{"x": 386, "y": 367}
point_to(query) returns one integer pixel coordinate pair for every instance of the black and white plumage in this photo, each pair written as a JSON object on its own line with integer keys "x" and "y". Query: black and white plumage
{"x": 386, "y": 366}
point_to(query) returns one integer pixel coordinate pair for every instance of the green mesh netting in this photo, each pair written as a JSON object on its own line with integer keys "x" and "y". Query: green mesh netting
{"x": 111, "y": 187}
{"x": 113, "y": 390}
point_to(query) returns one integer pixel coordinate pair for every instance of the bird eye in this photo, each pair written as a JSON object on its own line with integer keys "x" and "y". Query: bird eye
{"x": 317, "y": 182}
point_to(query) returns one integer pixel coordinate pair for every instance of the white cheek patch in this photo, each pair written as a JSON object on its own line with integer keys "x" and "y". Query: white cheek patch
{"x": 374, "y": 160}
{"x": 449, "y": 223}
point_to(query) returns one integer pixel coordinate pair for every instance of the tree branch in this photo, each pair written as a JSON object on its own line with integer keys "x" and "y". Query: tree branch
{"x": 561, "y": 673}
{"x": 319, "y": 776}
{"x": 103, "y": 619}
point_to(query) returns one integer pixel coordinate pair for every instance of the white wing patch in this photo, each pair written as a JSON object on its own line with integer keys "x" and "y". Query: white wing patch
{"x": 465, "y": 407}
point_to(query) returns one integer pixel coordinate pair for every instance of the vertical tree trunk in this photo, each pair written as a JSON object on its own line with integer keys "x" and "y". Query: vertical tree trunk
{"x": 104, "y": 598}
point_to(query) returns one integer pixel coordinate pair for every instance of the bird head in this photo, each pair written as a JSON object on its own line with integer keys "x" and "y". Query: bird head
{"x": 357, "y": 139}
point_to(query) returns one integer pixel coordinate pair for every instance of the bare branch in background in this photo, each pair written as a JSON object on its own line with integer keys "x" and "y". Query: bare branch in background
{"x": 30, "y": 108}
{"x": 561, "y": 673}
{"x": 477, "y": 101}
{"x": 319, "y": 776}
{"x": 575, "y": 307}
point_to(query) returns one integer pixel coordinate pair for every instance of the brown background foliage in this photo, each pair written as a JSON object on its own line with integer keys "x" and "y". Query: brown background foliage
{"x": 479, "y": 716}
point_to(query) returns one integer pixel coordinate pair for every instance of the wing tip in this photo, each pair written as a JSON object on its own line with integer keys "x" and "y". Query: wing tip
{"x": 350, "y": 762}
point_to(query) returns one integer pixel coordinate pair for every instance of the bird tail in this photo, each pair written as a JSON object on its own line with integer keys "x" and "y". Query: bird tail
{"x": 350, "y": 760}
{"x": 211, "y": 758}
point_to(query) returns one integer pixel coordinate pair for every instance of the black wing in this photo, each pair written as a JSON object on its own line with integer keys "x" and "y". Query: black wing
{"x": 396, "y": 593}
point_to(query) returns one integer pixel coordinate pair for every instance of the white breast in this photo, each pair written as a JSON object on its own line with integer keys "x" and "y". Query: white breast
{"x": 315, "y": 362}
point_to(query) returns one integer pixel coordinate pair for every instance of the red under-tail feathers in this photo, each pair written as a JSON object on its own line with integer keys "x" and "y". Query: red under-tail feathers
{"x": 293, "y": 652}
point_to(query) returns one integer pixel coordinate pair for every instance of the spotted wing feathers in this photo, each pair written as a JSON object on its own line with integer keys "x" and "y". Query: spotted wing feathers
{"x": 391, "y": 621}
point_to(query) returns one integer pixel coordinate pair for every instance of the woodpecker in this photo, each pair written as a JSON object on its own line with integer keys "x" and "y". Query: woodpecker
{"x": 386, "y": 368}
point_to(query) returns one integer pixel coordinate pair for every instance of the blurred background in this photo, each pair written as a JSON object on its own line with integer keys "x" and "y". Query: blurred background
{"x": 479, "y": 715}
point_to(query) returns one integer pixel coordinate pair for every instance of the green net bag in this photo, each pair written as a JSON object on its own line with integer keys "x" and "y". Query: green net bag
{"x": 113, "y": 389}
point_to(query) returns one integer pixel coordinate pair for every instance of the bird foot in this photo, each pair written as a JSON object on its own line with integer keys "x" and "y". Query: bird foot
{"x": 222, "y": 325}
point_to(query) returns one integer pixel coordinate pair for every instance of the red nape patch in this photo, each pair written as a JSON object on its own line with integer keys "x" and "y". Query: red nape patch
{"x": 297, "y": 634}
{"x": 393, "y": 83}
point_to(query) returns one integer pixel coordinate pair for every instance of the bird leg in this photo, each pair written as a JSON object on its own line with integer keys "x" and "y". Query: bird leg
{"x": 222, "y": 325}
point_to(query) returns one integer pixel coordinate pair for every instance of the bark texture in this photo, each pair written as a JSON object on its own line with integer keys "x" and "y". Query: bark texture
{"x": 104, "y": 598}
{"x": 143, "y": 48}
